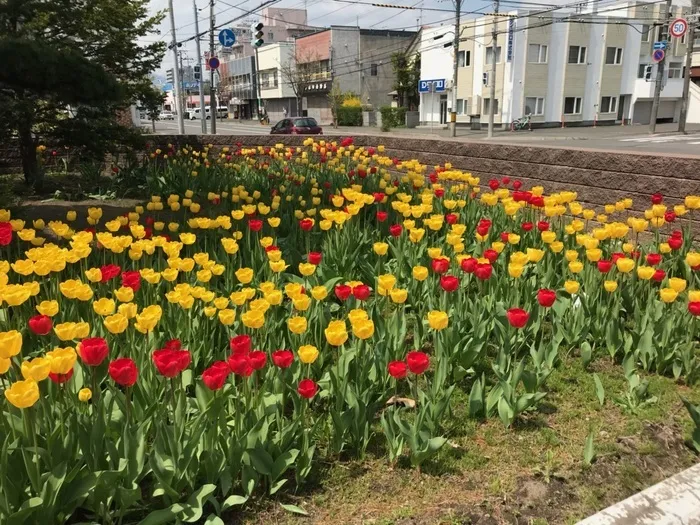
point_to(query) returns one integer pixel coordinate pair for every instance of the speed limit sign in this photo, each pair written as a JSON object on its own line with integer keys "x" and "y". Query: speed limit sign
{"x": 679, "y": 27}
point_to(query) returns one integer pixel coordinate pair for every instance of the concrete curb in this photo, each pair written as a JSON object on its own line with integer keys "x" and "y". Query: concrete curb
{"x": 674, "y": 501}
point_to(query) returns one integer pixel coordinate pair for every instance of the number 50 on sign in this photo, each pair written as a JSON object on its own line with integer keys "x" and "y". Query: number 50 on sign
{"x": 679, "y": 27}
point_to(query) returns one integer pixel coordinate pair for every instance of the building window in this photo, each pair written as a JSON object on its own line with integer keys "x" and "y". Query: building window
{"x": 373, "y": 70}
{"x": 675, "y": 70}
{"x": 537, "y": 54}
{"x": 645, "y": 32}
{"x": 462, "y": 106}
{"x": 487, "y": 106}
{"x": 271, "y": 36}
{"x": 534, "y": 106}
{"x": 489, "y": 55}
{"x": 464, "y": 59}
{"x": 577, "y": 54}
{"x": 613, "y": 56}
{"x": 572, "y": 105}
{"x": 683, "y": 38}
{"x": 644, "y": 71}
{"x": 608, "y": 105}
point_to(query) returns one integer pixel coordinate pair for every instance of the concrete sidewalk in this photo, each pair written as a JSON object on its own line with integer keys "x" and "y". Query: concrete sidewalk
{"x": 675, "y": 501}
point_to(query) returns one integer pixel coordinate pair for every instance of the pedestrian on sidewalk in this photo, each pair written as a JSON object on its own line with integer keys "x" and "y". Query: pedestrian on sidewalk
{"x": 284, "y": 112}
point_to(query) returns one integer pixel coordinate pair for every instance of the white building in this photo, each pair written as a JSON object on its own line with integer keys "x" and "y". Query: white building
{"x": 276, "y": 90}
{"x": 562, "y": 67}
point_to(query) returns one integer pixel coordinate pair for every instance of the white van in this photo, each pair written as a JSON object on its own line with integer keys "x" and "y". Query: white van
{"x": 196, "y": 113}
{"x": 222, "y": 112}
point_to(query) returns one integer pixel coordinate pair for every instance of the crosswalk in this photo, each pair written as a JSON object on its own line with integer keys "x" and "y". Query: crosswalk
{"x": 665, "y": 139}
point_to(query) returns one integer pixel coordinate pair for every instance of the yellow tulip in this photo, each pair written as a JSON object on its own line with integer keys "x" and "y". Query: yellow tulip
{"x": 515, "y": 270}
{"x": 668, "y": 295}
{"x": 575, "y": 266}
{"x": 380, "y": 248}
{"x": 307, "y": 269}
{"x": 398, "y": 295}
{"x": 386, "y": 281}
{"x": 677, "y": 284}
{"x": 301, "y": 302}
{"x": 438, "y": 319}
{"x": 23, "y": 394}
{"x": 244, "y": 275}
{"x": 571, "y": 287}
{"x": 356, "y": 315}
{"x": 319, "y": 293}
{"x": 61, "y": 360}
{"x": 610, "y": 286}
{"x": 4, "y": 365}
{"x": 10, "y": 344}
{"x": 692, "y": 259}
{"x": 645, "y": 272}
{"x": 363, "y": 329}
{"x": 534, "y": 255}
{"x": 227, "y": 316}
{"x": 307, "y": 354}
{"x": 85, "y": 395}
{"x": 336, "y": 333}
{"x": 420, "y": 273}
{"x": 693, "y": 296}
{"x": 93, "y": 275}
{"x": 37, "y": 369}
{"x": 128, "y": 310}
{"x": 297, "y": 325}
{"x": 624, "y": 264}
{"x": 594, "y": 254}
{"x": 105, "y": 306}
{"x": 252, "y": 319}
{"x": 124, "y": 294}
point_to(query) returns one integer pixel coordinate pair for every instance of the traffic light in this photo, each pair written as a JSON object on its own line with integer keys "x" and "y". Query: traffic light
{"x": 170, "y": 76}
{"x": 197, "y": 73}
{"x": 256, "y": 38}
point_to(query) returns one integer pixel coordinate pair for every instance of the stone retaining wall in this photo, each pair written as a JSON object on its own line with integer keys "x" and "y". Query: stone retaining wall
{"x": 599, "y": 177}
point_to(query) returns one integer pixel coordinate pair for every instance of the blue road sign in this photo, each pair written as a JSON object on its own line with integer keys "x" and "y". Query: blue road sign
{"x": 214, "y": 63}
{"x": 659, "y": 45}
{"x": 227, "y": 37}
{"x": 435, "y": 86}
{"x": 658, "y": 55}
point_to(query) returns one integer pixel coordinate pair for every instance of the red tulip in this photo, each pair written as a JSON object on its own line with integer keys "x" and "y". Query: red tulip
{"x": 315, "y": 258}
{"x": 282, "y": 358}
{"x": 483, "y": 271}
{"x": 440, "y": 265}
{"x": 616, "y": 256}
{"x": 654, "y": 258}
{"x": 255, "y": 225}
{"x": 505, "y": 181}
{"x": 491, "y": 255}
{"x": 526, "y": 226}
{"x": 40, "y": 324}
{"x": 61, "y": 378}
{"x": 546, "y": 297}
{"x": 241, "y": 344}
{"x": 215, "y": 376}
{"x": 451, "y": 218}
{"x": 657, "y": 198}
{"x": 604, "y": 266}
{"x": 361, "y": 292}
{"x": 378, "y": 196}
{"x": 307, "y": 388}
{"x": 342, "y": 291}
{"x": 543, "y": 226}
{"x": 493, "y": 184}
{"x": 418, "y": 362}
{"x": 522, "y": 196}
{"x": 131, "y": 280}
{"x": 382, "y": 216}
{"x": 537, "y": 201}
{"x": 433, "y": 177}
{"x": 170, "y": 363}
{"x": 5, "y": 233}
{"x": 670, "y": 216}
{"x": 675, "y": 242}
{"x": 482, "y": 229}
{"x": 109, "y": 272}
{"x": 517, "y": 184}
{"x": 659, "y": 275}
{"x": 257, "y": 359}
{"x": 173, "y": 344}
{"x": 449, "y": 283}
{"x": 439, "y": 192}
{"x": 306, "y": 224}
{"x": 517, "y": 317}
{"x": 504, "y": 236}
{"x": 694, "y": 308}
{"x": 123, "y": 371}
{"x": 240, "y": 365}
{"x": 397, "y": 369}
{"x": 395, "y": 230}
{"x": 469, "y": 265}
{"x": 93, "y": 351}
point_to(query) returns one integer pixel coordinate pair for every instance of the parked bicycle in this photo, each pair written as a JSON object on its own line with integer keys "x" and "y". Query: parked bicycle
{"x": 522, "y": 123}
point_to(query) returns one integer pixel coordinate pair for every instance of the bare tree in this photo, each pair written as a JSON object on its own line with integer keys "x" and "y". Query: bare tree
{"x": 299, "y": 70}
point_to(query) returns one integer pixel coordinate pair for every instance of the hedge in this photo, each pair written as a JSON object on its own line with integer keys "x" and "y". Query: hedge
{"x": 351, "y": 116}
{"x": 393, "y": 117}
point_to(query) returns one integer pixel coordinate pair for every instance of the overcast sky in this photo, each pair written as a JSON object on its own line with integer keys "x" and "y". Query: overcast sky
{"x": 320, "y": 12}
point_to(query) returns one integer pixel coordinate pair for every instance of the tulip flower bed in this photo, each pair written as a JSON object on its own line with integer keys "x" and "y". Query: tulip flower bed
{"x": 270, "y": 310}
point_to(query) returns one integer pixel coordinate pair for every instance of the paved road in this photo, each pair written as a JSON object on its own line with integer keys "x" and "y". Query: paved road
{"x": 630, "y": 139}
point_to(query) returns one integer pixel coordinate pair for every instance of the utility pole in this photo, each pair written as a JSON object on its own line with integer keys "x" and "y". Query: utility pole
{"x": 660, "y": 69}
{"x": 183, "y": 91}
{"x": 688, "y": 64}
{"x": 212, "y": 89}
{"x": 202, "y": 110}
{"x": 176, "y": 73}
{"x": 455, "y": 45}
{"x": 492, "y": 76}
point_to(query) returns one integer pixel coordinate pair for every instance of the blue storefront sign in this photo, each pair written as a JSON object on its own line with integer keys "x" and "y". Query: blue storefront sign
{"x": 431, "y": 86}
{"x": 511, "y": 34}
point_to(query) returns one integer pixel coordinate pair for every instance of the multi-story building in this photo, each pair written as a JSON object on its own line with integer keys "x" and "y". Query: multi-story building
{"x": 276, "y": 91}
{"x": 238, "y": 88}
{"x": 562, "y": 67}
{"x": 358, "y": 60}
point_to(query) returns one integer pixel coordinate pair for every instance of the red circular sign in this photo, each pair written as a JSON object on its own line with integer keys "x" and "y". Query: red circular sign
{"x": 678, "y": 27}
{"x": 214, "y": 63}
